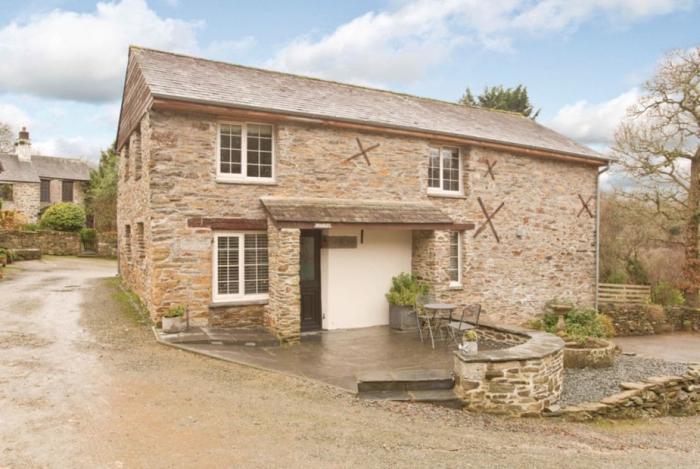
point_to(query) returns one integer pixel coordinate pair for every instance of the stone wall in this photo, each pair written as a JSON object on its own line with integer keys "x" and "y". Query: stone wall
{"x": 630, "y": 320}
{"x": 283, "y": 314}
{"x": 25, "y": 199}
{"x": 545, "y": 249}
{"x": 54, "y": 243}
{"x": 521, "y": 380}
{"x": 653, "y": 397}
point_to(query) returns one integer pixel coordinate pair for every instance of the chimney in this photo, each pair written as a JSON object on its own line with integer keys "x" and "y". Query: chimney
{"x": 23, "y": 146}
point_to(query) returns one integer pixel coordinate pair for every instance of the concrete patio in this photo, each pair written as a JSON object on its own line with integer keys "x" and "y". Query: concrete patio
{"x": 334, "y": 357}
{"x": 675, "y": 347}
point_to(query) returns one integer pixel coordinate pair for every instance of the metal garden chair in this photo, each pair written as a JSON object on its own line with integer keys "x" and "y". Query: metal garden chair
{"x": 468, "y": 319}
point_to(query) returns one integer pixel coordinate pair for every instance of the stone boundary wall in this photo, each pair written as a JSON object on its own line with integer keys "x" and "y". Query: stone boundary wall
{"x": 654, "y": 397}
{"x": 57, "y": 243}
{"x": 521, "y": 380}
{"x": 631, "y": 320}
{"x": 52, "y": 243}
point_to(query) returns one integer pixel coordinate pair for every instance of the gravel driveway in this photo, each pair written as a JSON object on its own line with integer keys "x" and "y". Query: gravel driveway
{"x": 83, "y": 384}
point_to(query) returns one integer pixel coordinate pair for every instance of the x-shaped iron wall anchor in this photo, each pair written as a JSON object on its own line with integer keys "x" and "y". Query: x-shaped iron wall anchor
{"x": 489, "y": 169}
{"x": 585, "y": 206}
{"x": 363, "y": 152}
{"x": 488, "y": 220}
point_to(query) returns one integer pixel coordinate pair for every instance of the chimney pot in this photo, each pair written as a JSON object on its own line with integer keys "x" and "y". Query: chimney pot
{"x": 23, "y": 146}
{"x": 24, "y": 134}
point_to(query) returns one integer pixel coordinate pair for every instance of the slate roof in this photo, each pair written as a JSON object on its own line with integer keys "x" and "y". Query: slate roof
{"x": 61, "y": 168}
{"x": 314, "y": 210}
{"x": 174, "y": 76}
{"x": 16, "y": 170}
{"x": 49, "y": 167}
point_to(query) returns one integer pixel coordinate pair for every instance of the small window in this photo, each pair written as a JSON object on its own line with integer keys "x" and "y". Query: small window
{"x": 45, "y": 190}
{"x": 245, "y": 151}
{"x": 444, "y": 170}
{"x": 127, "y": 241}
{"x": 240, "y": 266}
{"x": 140, "y": 242}
{"x": 455, "y": 268}
{"x": 6, "y": 192}
{"x": 67, "y": 191}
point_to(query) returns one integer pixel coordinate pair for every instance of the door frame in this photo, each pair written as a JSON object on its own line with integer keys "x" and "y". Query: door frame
{"x": 317, "y": 325}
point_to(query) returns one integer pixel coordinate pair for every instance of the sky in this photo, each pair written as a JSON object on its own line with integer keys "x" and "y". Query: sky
{"x": 62, "y": 62}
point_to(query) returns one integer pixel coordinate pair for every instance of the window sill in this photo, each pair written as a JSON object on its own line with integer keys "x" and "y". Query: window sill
{"x": 455, "y": 286}
{"x": 256, "y": 182}
{"x": 241, "y": 302}
{"x": 448, "y": 195}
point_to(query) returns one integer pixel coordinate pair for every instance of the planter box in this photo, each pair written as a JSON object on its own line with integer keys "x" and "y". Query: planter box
{"x": 174, "y": 325}
{"x": 601, "y": 355}
{"x": 402, "y": 318}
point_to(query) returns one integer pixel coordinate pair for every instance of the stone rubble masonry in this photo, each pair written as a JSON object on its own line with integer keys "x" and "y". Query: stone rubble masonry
{"x": 56, "y": 243}
{"x": 545, "y": 251}
{"x": 600, "y": 356}
{"x": 25, "y": 199}
{"x": 521, "y": 380}
{"x": 284, "y": 310}
{"x": 654, "y": 397}
{"x": 648, "y": 319}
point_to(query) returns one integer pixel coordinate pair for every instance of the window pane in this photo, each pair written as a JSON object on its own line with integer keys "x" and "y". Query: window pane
{"x": 230, "y": 149}
{"x": 453, "y": 269}
{"x": 67, "y": 191}
{"x": 256, "y": 264}
{"x": 227, "y": 265}
{"x": 434, "y": 168}
{"x": 259, "y": 150}
{"x": 450, "y": 169}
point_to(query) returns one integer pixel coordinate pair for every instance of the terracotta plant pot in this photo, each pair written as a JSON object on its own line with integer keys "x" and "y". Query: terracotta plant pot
{"x": 174, "y": 325}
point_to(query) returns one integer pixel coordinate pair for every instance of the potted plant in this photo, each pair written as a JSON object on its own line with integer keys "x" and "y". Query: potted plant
{"x": 470, "y": 342}
{"x": 174, "y": 320}
{"x": 402, "y": 301}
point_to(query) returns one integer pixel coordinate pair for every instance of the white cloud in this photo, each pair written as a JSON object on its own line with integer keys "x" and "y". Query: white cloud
{"x": 13, "y": 116}
{"x": 405, "y": 43}
{"x": 75, "y": 147}
{"x": 82, "y": 56}
{"x": 594, "y": 123}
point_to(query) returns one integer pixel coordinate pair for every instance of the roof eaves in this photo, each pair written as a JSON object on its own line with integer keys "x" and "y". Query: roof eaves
{"x": 597, "y": 157}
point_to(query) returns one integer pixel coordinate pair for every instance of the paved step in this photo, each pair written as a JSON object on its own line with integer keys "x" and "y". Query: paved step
{"x": 442, "y": 397}
{"x": 413, "y": 380}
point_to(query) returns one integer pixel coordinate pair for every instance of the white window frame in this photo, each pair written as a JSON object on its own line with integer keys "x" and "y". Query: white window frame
{"x": 440, "y": 190}
{"x": 460, "y": 239}
{"x": 241, "y": 296}
{"x": 243, "y": 177}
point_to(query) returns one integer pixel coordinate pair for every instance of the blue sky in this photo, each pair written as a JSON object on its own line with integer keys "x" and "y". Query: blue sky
{"x": 583, "y": 61}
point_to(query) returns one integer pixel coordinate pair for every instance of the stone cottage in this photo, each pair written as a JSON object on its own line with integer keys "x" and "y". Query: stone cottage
{"x": 29, "y": 183}
{"x": 258, "y": 198}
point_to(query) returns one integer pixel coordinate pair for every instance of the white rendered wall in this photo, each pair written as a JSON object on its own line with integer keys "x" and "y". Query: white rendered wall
{"x": 354, "y": 281}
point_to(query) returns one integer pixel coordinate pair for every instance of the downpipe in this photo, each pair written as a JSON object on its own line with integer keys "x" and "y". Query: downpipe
{"x": 597, "y": 234}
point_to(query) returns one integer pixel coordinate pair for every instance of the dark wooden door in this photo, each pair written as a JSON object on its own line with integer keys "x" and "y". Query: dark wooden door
{"x": 310, "y": 277}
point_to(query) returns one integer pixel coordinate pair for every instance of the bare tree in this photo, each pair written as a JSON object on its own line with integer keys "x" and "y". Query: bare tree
{"x": 659, "y": 143}
{"x": 6, "y": 138}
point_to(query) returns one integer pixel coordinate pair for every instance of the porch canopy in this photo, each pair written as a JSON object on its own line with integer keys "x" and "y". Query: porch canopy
{"x": 325, "y": 213}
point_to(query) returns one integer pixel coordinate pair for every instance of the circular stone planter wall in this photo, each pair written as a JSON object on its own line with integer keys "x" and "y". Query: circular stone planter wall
{"x": 521, "y": 380}
{"x": 600, "y": 355}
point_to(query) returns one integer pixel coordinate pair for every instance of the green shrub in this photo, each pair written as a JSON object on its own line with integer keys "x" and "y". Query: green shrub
{"x": 405, "y": 289}
{"x": 63, "y": 217}
{"x": 88, "y": 235}
{"x": 175, "y": 312}
{"x": 581, "y": 323}
{"x": 667, "y": 295}
{"x": 617, "y": 277}
{"x": 30, "y": 227}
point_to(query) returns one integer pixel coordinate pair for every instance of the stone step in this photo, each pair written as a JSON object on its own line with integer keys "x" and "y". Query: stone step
{"x": 26, "y": 254}
{"x": 442, "y": 397}
{"x": 413, "y": 380}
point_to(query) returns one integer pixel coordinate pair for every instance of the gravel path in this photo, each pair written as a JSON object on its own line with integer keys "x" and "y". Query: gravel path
{"x": 590, "y": 385}
{"x": 83, "y": 384}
